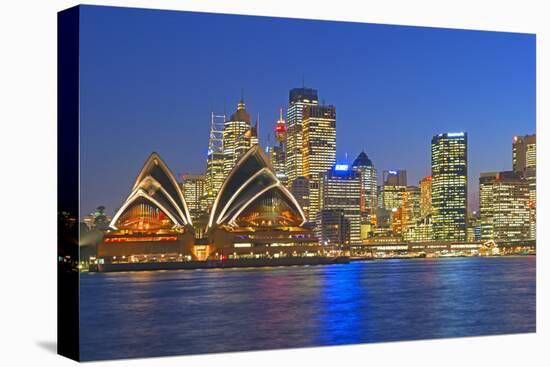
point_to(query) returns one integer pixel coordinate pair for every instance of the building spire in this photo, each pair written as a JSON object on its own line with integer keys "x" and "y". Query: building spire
{"x": 241, "y": 105}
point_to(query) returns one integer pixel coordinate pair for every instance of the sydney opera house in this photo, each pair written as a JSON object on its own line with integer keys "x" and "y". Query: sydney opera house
{"x": 153, "y": 223}
{"x": 253, "y": 216}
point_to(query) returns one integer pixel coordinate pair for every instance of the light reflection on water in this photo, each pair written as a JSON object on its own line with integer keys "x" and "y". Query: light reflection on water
{"x": 139, "y": 314}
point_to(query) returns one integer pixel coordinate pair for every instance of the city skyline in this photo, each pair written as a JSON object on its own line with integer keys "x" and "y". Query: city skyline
{"x": 391, "y": 133}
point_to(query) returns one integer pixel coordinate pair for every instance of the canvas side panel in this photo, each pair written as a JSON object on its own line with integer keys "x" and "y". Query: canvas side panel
{"x": 68, "y": 182}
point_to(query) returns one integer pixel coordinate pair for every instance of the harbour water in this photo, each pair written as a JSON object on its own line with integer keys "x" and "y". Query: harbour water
{"x": 158, "y": 313}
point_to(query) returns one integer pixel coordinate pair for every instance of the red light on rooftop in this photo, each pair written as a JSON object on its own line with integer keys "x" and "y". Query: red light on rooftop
{"x": 280, "y": 128}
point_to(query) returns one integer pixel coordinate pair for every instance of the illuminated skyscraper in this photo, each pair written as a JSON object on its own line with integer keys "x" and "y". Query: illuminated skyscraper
{"x": 395, "y": 177}
{"x": 194, "y": 188}
{"x": 215, "y": 159}
{"x": 504, "y": 206}
{"x": 449, "y": 186}
{"x": 524, "y": 162}
{"x": 392, "y": 196}
{"x": 524, "y": 155}
{"x": 237, "y": 137}
{"x": 300, "y": 189}
{"x": 280, "y": 129}
{"x": 393, "y": 189}
{"x": 318, "y": 139}
{"x": 417, "y": 210}
{"x": 411, "y": 206}
{"x": 332, "y": 227}
{"x": 277, "y": 153}
{"x": 299, "y": 98}
{"x": 318, "y": 148}
{"x": 486, "y": 180}
{"x": 426, "y": 196}
{"x": 364, "y": 166}
{"x": 341, "y": 189}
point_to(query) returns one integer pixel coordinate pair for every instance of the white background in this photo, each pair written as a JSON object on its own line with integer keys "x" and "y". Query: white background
{"x": 28, "y": 181}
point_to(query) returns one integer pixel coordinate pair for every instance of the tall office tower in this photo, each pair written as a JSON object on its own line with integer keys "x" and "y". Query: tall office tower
{"x": 411, "y": 206}
{"x": 486, "y": 180}
{"x": 215, "y": 159}
{"x": 524, "y": 161}
{"x": 425, "y": 196}
{"x": 300, "y": 189}
{"x": 237, "y": 134}
{"x": 194, "y": 192}
{"x": 504, "y": 206}
{"x": 332, "y": 227}
{"x": 364, "y": 166}
{"x": 341, "y": 189}
{"x": 280, "y": 129}
{"x": 524, "y": 151}
{"x": 394, "y": 177}
{"x": 393, "y": 188}
{"x": 392, "y": 196}
{"x": 299, "y": 98}
{"x": 318, "y": 149}
{"x": 194, "y": 188}
{"x": 277, "y": 153}
{"x": 449, "y": 186}
{"x": 318, "y": 139}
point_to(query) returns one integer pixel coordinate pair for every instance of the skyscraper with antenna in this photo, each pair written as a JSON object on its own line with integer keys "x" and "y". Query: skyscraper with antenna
{"x": 277, "y": 152}
{"x": 238, "y": 136}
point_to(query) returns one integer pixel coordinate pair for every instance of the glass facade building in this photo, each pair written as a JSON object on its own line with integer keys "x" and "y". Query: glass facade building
{"x": 237, "y": 134}
{"x": 318, "y": 149}
{"x": 299, "y": 98}
{"x": 411, "y": 206}
{"x": 504, "y": 206}
{"x": 426, "y": 196}
{"x": 524, "y": 162}
{"x": 341, "y": 189}
{"x": 215, "y": 159}
{"x": 194, "y": 190}
{"x": 369, "y": 194}
{"x": 300, "y": 189}
{"x": 332, "y": 227}
{"x": 449, "y": 186}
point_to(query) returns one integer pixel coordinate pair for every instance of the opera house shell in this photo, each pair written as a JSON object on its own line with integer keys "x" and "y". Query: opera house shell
{"x": 154, "y": 223}
{"x": 255, "y": 214}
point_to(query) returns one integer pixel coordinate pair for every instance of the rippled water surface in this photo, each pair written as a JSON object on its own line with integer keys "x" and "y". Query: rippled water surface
{"x": 155, "y": 313}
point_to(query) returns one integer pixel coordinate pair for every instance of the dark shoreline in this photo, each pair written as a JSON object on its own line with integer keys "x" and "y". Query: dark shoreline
{"x": 256, "y": 263}
{"x": 220, "y": 264}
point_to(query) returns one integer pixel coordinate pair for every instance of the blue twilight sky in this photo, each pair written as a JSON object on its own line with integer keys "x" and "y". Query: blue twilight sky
{"x": 150, "y": 79}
